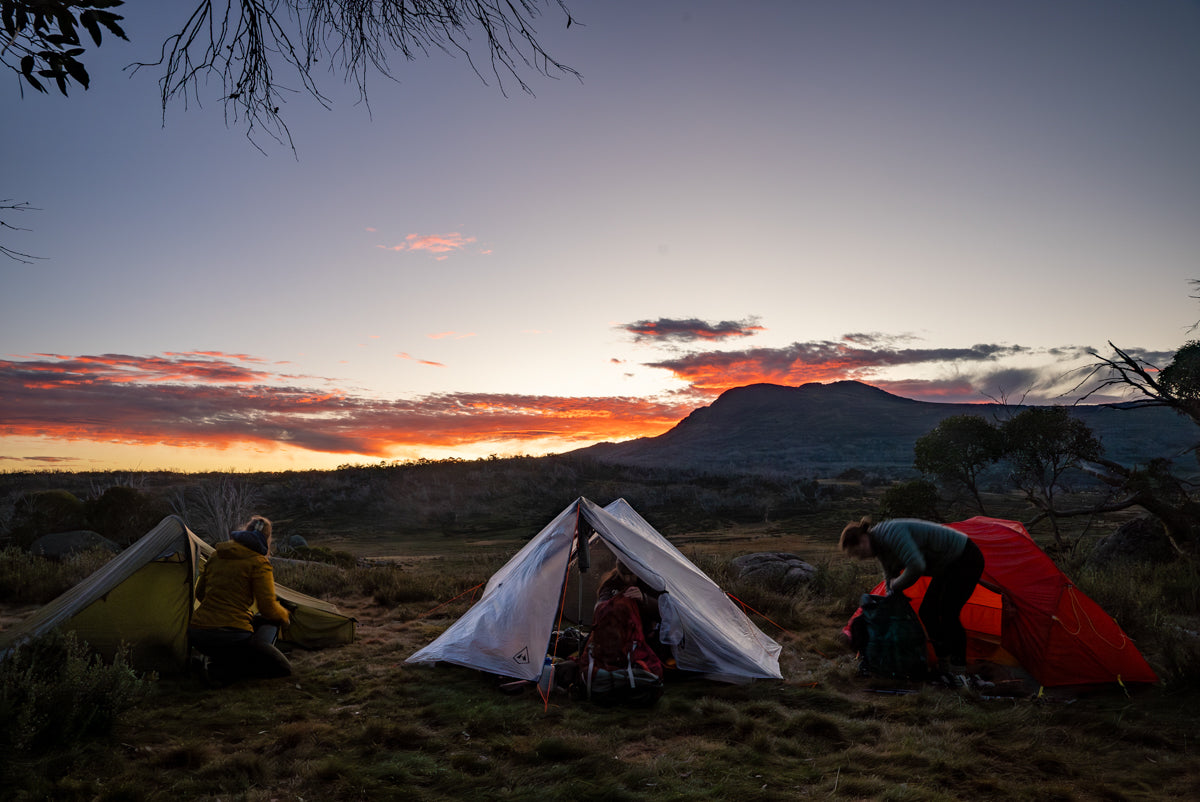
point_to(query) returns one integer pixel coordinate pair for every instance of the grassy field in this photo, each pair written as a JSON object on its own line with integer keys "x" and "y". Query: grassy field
{"x": 357, "y": 723}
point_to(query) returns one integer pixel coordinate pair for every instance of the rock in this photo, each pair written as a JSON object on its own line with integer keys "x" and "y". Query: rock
{"x": 61, "y": 545}
{"x": 1139, "y": 540}
{"x": 776, "y": 570}
{"x": 297, "y": 542}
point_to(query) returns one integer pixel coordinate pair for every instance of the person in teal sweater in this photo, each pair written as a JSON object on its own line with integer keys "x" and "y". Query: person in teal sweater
{"x": 909, "y": 548}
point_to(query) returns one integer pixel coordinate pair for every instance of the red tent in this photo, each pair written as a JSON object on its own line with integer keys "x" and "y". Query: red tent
{"x": 1027, "y": 610}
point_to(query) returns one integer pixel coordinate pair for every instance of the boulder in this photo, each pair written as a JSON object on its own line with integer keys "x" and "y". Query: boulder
{"x": 1140, "y": 540}
{"x": 61, "y": 545}
{"x": 777, "y": 570}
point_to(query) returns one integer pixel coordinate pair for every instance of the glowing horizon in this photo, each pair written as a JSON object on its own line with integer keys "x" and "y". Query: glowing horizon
{"x": 207, "y": 408}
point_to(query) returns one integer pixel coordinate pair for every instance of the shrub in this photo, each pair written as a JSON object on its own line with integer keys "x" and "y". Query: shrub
{"x": 1157, "y": 606}
{"x": 54, "y": 692}
{"x": 914, "y": 499}
{"x": 1178, "y": 658}
{"x": 30, "y": 579}
{"x": 44, "y": 512}
{"x": 318, "y": 554}
{"x": 123, "y": 514}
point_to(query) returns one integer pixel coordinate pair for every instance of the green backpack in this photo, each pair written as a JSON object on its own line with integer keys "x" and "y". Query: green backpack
{"x": 895, "y": 645}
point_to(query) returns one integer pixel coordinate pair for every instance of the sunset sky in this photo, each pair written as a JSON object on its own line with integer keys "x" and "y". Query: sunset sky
{"x": 953, "y": 201}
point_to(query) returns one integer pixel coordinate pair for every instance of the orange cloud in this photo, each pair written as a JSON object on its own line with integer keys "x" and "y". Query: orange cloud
{"x": 457, "y": 335}
{"x": 215, "y": 400}
{"x": 81, "y": 398}
{"x": 420, "y": 361}
{"x": 432, "y": 243}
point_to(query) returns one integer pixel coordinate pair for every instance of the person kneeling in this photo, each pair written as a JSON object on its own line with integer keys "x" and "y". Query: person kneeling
{"x": 238, "y": 575}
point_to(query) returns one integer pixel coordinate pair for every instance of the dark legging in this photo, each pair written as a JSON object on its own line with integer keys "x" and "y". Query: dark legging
{"x": 942, "y": 606}
{"x": 238, "y": 654}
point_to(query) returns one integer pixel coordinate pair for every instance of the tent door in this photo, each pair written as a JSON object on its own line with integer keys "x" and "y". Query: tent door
{"x": 581, "y": 589}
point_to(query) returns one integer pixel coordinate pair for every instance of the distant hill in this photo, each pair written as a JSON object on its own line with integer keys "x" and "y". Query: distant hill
{"x": 830, "y": 427}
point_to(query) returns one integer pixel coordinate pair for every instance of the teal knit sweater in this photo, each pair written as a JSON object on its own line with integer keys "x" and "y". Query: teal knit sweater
{"x": 909, "y": 548}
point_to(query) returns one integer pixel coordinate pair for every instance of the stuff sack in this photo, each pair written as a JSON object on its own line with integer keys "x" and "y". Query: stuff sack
{"x": 616, "y": 665}
{"x": 895, "y": 638}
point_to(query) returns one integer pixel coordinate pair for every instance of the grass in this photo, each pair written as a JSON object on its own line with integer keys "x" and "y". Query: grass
{"x": 357, "y": 723}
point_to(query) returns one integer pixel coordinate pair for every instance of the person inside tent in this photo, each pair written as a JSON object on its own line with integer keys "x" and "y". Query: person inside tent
{"x": 908, "y": 549}
{"x": 620, "y": 581}
{"x": 238, "y": 643}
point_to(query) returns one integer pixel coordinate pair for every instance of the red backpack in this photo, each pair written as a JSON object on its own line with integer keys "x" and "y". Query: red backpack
{"x": 616, "y": 664}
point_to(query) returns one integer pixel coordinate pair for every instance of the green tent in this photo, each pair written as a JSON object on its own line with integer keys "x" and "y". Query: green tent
{"x": 144, "y": 597}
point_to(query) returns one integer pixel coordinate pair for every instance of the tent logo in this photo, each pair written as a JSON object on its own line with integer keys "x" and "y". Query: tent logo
{"x": 522, "y": 656}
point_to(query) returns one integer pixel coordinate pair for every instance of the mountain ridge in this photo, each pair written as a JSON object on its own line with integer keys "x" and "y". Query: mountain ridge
{"x": 830, "y": 427}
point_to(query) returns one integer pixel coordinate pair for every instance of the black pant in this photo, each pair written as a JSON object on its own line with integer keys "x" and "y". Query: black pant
{"x": 237, "y": 654}
{"x": 942, "y": 606}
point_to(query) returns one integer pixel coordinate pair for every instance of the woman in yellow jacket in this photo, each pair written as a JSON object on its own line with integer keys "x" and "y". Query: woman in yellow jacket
{"x": 236, "y": 577}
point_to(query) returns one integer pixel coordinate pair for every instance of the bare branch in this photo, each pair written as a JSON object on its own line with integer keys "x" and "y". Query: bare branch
{"x": 1195, "y": 283}
{"x": 14, "y": 206}
{"x": 1128, "y": 372}
{"x": 244, "y": 42}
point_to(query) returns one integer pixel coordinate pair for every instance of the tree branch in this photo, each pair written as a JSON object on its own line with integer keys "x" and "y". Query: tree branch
{"x": 14, "y": 206}
{"x": 243, "y": 44}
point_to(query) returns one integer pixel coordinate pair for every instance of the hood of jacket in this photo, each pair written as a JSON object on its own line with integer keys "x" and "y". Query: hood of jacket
{"x": 255, "y": 541}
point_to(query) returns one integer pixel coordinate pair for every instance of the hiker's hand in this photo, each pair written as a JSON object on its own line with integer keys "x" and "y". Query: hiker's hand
{"x": 633, "y": 592}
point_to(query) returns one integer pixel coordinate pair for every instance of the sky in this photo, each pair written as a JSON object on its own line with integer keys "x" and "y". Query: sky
{"x": 951, "y": 200}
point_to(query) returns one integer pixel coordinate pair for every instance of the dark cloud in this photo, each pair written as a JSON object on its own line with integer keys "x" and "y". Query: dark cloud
{"x": 692, "y": 330}
{"x": 826, "y": 360}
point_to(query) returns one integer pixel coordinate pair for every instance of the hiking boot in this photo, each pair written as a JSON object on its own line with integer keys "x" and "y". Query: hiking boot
{"x": 949, "y": 679}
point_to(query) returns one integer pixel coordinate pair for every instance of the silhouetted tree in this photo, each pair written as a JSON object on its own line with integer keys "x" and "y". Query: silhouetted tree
{"x": 1042, "y": 444}
{"x": 1176, "y": 386}
{"x": 42, "y": 41}
{"x": 958, "y": 450}
{"x": 245, "y": 45}
{"x": 1155, "y": 487}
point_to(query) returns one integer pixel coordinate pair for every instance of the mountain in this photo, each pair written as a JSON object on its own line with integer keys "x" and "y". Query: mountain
{"x": 827, "y": 428}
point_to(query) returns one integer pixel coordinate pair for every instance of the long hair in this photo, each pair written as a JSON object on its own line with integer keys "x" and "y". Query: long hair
{"x": 854, "y": 533}
{"x": 258, "y": 523}
{"x": 613, "y": 575}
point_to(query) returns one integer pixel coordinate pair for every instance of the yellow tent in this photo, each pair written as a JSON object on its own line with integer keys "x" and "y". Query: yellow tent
{"x": 143, "y": 598}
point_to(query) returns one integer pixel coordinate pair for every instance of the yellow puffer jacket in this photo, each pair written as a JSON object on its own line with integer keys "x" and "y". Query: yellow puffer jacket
{"x": 233, "y": 579}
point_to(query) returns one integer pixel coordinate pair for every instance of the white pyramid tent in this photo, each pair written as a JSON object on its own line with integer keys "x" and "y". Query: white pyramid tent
{"x": 508, "y": 630}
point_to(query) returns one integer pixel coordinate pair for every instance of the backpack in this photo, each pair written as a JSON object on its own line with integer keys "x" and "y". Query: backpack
{"x": 616, "y": 665}
{"x": 895, "y": 638}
